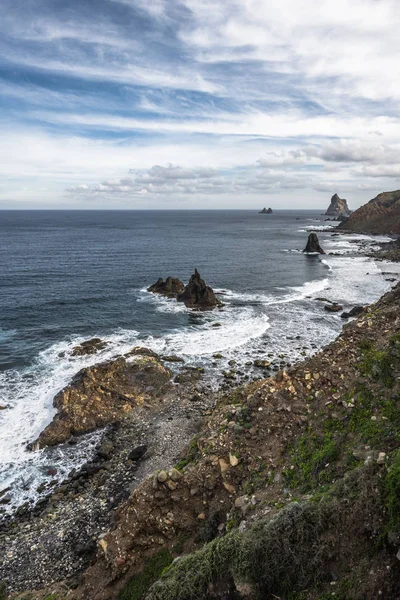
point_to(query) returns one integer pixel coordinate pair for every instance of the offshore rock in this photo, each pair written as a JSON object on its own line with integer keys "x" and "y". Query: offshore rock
{"x": 313, "y": 244}
{"x": 171, "y": 287}
{"x": 103, "y": 394}
{"x": 265, "y": 211}
{"x": 338, "y": 207}
{"x": 89, "y": 347}
{"x": 198, "y": 295}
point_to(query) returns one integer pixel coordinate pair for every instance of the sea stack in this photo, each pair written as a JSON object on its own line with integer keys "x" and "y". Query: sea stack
{"x": 266, "y": 211}
{"x": 313, "y": 244}
{"x": 338, "y": 208}
{"x": 171, "y": 287}
{"x": 198, "y": 295}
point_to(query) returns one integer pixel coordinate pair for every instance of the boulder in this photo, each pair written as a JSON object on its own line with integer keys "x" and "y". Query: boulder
{"x": 198, "y": 295}
{"x": 137, "y": 453}
{"x": 334, "y": 307}
{"x": 141, "y": 351}
{"x": 354, "y": 312}
{"x": 103, "y": 394}
{"x": 89, "y": 347}
{"x": 171, "y": 287}
{"x": 313, "y": 244}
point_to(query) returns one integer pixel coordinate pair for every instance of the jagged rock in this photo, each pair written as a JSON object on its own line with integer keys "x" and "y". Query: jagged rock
{"x": 265, "y": 211}
{"x": 333, "y": 307}
{"x": 173, "y": 358}
{"x": 338, "y": 207}
{"x": 354, "y": 312}
{"x": 89, "y": 347}
{"x": 103, "y": 394}
{"x": 198, "y": 295}
{"x": 313, "y": 244}
{"x": 171, "y": 287}
{"x": 141, "y": 351}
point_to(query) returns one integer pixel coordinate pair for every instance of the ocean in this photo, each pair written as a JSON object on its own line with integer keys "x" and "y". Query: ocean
{"x": 67, "y": 276}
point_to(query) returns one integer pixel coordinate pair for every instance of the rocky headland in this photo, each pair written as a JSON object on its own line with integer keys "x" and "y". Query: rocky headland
{"x": 338, "y": 207}
{"x": 381, "y": 215}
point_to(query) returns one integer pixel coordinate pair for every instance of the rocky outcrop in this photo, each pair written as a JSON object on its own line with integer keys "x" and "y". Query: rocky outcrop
{"x": 354, "y": 312}
{"x": 103, "y": 394}
{"x": 266, "y": 211}
{"x": 198, "y": 295}
{"x": 313, "y": 245}
{"x": 89, "y": 347}
{"x": 171, "y": 287}
{"x": 333, "y": 308}
{"x": 379, "y": 215}
{"x": 338, "y": 207}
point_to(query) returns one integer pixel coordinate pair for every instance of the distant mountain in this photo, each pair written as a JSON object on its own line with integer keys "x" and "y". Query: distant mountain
{"x": 379, "y": 215}
{"x": 265, "y": 211}
{"x": 338, "y": 207}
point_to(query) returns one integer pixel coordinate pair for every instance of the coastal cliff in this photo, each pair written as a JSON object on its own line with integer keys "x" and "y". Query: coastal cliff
{"x": 379, "y": 215}
{"x": 289, "y": 481}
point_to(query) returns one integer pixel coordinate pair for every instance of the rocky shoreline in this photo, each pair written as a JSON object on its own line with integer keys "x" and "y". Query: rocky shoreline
{"x": 63, "y": 535}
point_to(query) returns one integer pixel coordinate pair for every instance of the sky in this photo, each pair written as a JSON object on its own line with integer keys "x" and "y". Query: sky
{"x": 198, "y": 104}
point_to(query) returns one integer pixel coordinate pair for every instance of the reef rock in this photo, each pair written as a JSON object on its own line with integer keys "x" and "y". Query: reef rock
{"x": 89, "y": 347}
{"x": 313, "y": 244}
{"x": 103, "y": 394}
{"x": 171, "y": 287}
{"x": 338, "y": 207}
{"x": 198, "y": 295}
{"x": 265, "y": 211}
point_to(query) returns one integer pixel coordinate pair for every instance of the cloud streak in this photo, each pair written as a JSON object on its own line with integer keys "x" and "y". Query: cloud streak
{"x": 202, "y": 99}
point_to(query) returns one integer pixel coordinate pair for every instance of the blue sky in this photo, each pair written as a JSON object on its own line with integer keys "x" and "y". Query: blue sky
{"x": 197, "y": 103}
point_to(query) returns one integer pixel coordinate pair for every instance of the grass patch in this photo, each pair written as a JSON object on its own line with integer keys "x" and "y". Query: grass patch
{"x": 392, "y": 495}
{"x": 375, "y": 420}
{"x": 379, "y": 365}
{"x": 139, "y": 585}
{"x": 3, "y": 591}
{"x": 191, "y": 455}
{"x": 312, "y": 460}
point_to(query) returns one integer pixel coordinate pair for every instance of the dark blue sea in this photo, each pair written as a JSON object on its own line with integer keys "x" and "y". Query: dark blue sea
{"x": 67, "y": 276}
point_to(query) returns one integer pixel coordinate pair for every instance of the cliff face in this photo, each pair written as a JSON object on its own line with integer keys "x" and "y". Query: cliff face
{"x": 338, "y": 207}
{"x": 379, "y": 215}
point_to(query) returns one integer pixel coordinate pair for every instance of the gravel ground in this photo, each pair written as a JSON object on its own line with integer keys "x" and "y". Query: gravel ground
{"x": 57, "y": 540}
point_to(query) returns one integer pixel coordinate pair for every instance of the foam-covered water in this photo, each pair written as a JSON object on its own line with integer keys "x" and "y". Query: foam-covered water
{"x": 68, "y": 277}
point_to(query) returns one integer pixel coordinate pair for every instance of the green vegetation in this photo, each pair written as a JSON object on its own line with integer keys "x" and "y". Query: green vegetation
{"x": 379, "y": 364}
{"x": 392, "y": 495}
{"x": 375, "y": 419}
{"x": 3, "y": 591}
{"x": 312, "y": 459}
{"x": 191, "y": 454}
{"x": 276, "y": 556}
{"x": 138, "y": 586}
